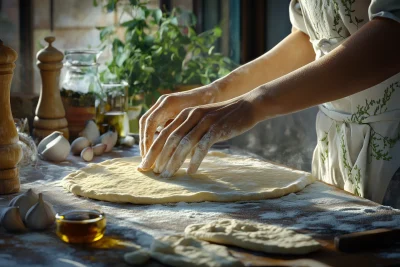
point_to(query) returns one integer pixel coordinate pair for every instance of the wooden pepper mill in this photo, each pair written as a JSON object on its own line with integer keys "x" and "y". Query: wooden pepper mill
{"x": 50, "y": 113}
{"x": 10, "y": 150}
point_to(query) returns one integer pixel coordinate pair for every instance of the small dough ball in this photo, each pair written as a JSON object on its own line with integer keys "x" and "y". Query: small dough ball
{"x": 137, "y": 257}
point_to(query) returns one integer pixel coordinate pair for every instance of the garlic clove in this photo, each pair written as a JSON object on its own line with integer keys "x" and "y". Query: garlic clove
{"x": 128, "y": 141}
{"x": 11, "y": 220}
{"x": 99, "y": 149}
{"x": 79, "y": 144}
{"x": 24, "y": 201}
{"x": 41, "y": 216}
{"x": 110, "y": 139}
{"x": 56, "y": 150}
{"x": 42, "y": 145}
{"x": 87, "y": 154}
{"x": 91, "y": 132}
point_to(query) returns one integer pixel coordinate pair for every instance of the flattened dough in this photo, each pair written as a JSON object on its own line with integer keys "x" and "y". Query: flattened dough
{"x": 221, "y": 178}
{"x": 253, "y": 236}
{"x": 187, "y": 251}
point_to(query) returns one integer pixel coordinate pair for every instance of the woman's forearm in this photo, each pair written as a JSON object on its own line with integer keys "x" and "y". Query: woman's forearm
{"x": 292, "y": 53}
{"x": 367, "y": 58}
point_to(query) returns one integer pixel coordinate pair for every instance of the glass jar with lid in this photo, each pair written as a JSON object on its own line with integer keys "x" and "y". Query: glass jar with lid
{"x": 81, "y": 90}
{"x": 112, "y": 111}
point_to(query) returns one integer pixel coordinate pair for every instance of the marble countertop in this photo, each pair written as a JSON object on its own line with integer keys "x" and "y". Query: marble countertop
{"x": 319, "y": 210}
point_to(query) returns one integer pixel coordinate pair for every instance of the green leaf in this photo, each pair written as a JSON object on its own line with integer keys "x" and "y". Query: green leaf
{"x": 95, "y": 3}
{"x": 174, "y": 21}
{"x": 120, "y": 59}
{"x": 111, "y": 5}
{"x": 130, "y": 23}
{"x": 106, "y": 32}
{"x": 179, "y": 78}
{"x": 196, "y": 52}
{"x": 217, "y": 31}
{"x": 204, "y": 80}
{"x": 157, "y": 15}
{"x": 148, "y": 69}
{"x": 211, "y": 50}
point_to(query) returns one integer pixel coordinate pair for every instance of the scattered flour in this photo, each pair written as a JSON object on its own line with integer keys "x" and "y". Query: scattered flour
{"x": 318, "y": 208}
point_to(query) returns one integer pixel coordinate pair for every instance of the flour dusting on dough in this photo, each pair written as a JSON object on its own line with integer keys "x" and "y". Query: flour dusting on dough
{"x": 220, "y": 179}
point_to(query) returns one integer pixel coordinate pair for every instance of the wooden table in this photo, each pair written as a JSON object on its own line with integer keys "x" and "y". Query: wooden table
{"x": 320, "y": 210}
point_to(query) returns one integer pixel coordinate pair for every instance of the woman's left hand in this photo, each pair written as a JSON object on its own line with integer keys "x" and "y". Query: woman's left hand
{"x": 194, "y": 131}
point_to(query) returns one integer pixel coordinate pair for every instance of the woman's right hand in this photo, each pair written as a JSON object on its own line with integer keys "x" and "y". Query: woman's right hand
{"x": 167, "y": 108}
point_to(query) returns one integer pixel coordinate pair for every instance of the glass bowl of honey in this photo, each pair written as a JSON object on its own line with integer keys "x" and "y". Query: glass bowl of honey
{"x": 80, "y": 226}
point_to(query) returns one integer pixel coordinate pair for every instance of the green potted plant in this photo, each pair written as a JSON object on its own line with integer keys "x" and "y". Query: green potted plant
{"x": 159, "y": 51}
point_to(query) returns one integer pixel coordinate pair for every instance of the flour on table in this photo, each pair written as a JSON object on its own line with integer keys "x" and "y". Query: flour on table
{"x": 221, "y": 178}
{"x": 253, "y": 236}
{"x": 187, "y": 252}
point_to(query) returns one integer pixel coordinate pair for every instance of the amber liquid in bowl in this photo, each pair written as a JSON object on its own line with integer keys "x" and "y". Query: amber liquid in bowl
{"x": 81, "y": 226}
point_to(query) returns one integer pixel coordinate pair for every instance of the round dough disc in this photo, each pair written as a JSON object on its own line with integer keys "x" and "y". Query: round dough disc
{"x": 221, "y": 178}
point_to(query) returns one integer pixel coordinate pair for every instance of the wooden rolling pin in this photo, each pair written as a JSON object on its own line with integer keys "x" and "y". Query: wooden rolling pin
{"x": 366, "y": 240}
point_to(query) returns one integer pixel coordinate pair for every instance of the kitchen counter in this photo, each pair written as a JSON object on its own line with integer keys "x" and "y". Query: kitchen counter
{"x": 319, "y": 210}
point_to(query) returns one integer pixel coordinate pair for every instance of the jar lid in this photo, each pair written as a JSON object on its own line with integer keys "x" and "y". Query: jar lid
{"x": 7, "y": 55}
{"x": 50, "y": 54}
{"x": 81, "y": 57}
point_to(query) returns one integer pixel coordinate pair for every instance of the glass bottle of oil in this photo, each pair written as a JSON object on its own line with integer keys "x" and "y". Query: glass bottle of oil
{"x": 113, "y": 113}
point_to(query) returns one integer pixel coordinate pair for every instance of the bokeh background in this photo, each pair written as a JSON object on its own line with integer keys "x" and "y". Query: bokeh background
{"x": 250, "y": 28}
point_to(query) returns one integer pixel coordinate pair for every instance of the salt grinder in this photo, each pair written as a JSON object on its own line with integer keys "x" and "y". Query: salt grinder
{"x": 50, "y": 113}
{"x": 10, "y": 150}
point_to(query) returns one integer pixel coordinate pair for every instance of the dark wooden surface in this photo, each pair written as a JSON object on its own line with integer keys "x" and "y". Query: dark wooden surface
{"x": 320, "y": 210}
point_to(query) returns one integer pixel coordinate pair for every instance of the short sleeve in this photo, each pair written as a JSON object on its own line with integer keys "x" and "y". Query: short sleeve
{"x": 385, "y": 8}
{"x": 296, "y": 16}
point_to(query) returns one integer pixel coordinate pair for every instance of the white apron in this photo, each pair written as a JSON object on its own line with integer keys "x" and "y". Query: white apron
{"x": 358, "y": 147}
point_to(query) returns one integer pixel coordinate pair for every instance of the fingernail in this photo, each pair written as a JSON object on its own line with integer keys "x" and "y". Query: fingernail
{"x": 143, "y": 165}
{"x": 165, "y": 174}
{"x": 156, "y": 170}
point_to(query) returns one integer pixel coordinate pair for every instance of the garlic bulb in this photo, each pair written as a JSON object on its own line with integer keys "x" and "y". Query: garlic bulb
{"x": 87, "y": 154}
{"x": 110, "y": 139}
{"x": 24, "y": 201}
{"x": 54, "y": 147}
{"x": 79, "y": 144}
{"x": 128, "y": 141}
{"x": 99, "y": 149}
{"x": 41, "y": 216}
{"x": 91, "y": 132}
{"x": 42, "y": 145}
{"x": 11, "y": 220}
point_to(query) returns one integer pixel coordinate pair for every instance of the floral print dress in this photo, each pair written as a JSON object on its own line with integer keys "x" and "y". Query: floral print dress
{"x": 358, "y": 147}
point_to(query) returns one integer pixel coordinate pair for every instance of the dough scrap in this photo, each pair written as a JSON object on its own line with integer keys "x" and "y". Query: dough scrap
{"x": 253, "y": 236}
{"x": 187, "y": 251}
{"x": 221, "y": 178}
{"x": 137, "y": 257}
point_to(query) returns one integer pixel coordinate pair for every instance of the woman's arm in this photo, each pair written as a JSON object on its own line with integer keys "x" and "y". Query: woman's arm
{"x": 290, "y": 54}
{"x": 367, "y": 58}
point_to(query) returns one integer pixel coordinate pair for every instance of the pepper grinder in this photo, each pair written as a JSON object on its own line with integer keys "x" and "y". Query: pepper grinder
{"x": 10, "y": 150}
{"x": 50, "y": 113}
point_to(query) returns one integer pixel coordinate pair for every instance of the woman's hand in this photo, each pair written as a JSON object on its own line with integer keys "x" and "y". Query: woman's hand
{"x": 167, "y": 108}
{"x": 194, "y": 131}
